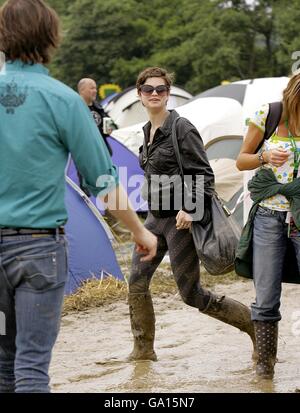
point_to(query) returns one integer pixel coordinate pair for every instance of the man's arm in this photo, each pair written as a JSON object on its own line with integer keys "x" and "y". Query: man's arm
{"x": 116, "y": 200}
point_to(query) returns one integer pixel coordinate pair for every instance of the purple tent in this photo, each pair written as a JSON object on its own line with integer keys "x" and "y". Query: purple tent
{"x": 90, "y": 241}
{"x": 131, "y": 174}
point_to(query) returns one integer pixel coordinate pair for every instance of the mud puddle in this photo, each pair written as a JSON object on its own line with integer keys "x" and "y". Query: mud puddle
{"x": 196, "y": 353}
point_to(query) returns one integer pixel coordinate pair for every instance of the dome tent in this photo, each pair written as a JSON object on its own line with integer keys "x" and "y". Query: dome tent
{"x": 131, "y": 173}
{"x": 251, "y": 94}
{"x": 90, "y": 241}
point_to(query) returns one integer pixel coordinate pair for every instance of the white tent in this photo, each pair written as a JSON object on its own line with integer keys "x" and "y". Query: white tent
{"x": 213, "y": 117}
{"x": 221, "y": 111}
{"x": 125, "y": 108}
{"x": 251, "y": 94}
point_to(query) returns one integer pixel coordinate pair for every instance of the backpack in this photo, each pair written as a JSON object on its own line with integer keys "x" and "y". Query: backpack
{"x": 272, "y": 121}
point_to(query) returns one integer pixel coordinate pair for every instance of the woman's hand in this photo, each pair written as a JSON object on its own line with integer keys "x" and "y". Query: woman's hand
{"x": 276, "y": 157}
{"x": 183, "y": 220}
{"x": 248, "y": 159}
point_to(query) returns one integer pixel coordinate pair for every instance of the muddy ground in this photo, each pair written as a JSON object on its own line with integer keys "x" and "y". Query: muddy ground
{"x": 196, "y": 353}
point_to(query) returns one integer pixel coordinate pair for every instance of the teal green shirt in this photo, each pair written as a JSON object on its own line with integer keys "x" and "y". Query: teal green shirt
{"x": 41, "y": 122}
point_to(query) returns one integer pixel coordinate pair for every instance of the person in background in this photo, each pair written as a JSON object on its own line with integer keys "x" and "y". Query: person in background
{"x": 271, "y": 220}
{"x": 87, "y": 89}
{"x": 172, "y": 225}
{"x": 41, "y": 122}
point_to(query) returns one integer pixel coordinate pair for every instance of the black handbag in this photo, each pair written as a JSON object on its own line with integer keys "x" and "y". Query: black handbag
{"x": 217, "y": 240}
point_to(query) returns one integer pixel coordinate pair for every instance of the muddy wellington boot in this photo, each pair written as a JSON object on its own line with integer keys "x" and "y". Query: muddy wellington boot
{"x": 142, "y": 320}
{"x": 266, "y": 334}
{"x": 234, "y": 313}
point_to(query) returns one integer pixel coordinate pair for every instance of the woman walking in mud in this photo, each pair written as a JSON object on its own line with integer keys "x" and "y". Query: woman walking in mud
{"x": 274, "y": 219}
{"x": 172, "y": 226}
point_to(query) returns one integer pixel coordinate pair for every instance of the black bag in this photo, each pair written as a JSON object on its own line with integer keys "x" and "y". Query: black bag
{"x": 215, "y": 242}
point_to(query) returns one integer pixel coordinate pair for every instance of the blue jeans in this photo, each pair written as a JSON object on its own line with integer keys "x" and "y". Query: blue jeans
{"x": 33, "y": 272}
{"x": 270, "y": 238}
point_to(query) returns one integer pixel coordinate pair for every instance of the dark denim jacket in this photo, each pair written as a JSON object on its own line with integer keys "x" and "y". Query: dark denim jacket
{"x": 159, "y": 157}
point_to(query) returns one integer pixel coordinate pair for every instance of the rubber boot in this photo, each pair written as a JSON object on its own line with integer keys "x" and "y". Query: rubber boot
{"x": 142, "y": 320}
{"x": 266, "y": 334}
{"x": 234, "y": 313}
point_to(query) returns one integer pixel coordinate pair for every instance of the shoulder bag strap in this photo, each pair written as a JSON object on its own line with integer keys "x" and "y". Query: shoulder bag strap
{"x": 272, "y": 121}
{"x": 176, "y": 146}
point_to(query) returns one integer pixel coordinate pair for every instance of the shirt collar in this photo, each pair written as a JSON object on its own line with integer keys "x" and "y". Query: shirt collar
{"x": 19, "y": 66}
{"x": 166, "y": 128}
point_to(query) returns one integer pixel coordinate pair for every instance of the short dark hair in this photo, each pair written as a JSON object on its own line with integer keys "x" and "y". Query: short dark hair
{"x": 29, "y": 29}
{"x": 154, "y": 72}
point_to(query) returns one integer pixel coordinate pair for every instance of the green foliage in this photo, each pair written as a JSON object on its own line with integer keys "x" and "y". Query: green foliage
{"x": 202, "y": 41}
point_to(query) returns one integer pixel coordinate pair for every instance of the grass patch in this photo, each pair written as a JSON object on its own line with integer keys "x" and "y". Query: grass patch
{"x": 96, "y": 293}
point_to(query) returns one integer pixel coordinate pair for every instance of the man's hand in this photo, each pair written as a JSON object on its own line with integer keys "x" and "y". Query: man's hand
{"x": 145, "y": 240}
{"x": 183, "y": 220}
{"x": 146, "y": 244}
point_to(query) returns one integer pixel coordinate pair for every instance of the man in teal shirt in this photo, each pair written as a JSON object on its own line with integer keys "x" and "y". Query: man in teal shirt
{"x": 41, "y": 121}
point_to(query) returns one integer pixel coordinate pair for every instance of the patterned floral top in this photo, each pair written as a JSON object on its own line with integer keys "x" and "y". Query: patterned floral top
{"x": 284, "y": 173}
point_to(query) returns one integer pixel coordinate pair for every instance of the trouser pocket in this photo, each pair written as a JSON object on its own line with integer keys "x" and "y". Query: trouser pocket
{"x": 38, "y": 271}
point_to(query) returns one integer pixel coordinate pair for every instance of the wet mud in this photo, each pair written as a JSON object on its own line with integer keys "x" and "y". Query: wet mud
{"x": 196, "y": 353}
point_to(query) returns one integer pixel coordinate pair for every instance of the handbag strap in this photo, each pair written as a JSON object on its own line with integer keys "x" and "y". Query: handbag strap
{"x": 178, "y": 158}
{"x": 176, "y": 146}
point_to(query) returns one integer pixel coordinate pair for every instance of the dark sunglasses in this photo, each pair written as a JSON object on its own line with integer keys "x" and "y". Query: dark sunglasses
{"x": 147, "y": 90}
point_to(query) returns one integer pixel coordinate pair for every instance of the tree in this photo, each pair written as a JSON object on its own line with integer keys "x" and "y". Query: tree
{"x": 98, "y": 33}
{"x": 287, "y": 15}
{"x": 202, "y": 41}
